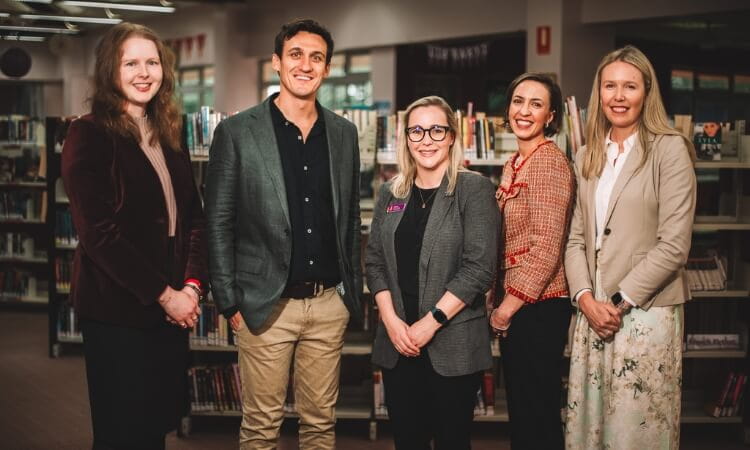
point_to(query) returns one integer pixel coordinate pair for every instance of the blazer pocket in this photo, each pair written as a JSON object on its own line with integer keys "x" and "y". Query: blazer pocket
{"x": 513, "y": 258}
{"x": 248, "y": 264}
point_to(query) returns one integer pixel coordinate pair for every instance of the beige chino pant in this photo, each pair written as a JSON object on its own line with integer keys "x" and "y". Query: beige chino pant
{"x": 309, "y": 332}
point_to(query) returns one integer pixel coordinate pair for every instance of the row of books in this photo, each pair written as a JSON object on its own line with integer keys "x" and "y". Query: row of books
{"x": 20, "y": 283}
{"x": 21, "y": 129}
{"x": 574, "y": 125}
{"x": 199, "y": 130}
{"x": 707, "y": 273}
{"x": 215, "y": 388}
{"x": 22, "y": 165}
{"x": 23, "y": 205}
{"x": 67, "y": 322}
{"x": 63, "y": 270}
{"x": 65, "y": 232}
{"x": 212, "y": 328}
{"x": 19, "y": 245}
{"x": 484, "y": 405}
{"x": 729, "y": 401}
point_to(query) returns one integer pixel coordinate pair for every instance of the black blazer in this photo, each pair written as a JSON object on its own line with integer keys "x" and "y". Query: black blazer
{"x": 249, "y": 232}
{"x": 122, "y": 263}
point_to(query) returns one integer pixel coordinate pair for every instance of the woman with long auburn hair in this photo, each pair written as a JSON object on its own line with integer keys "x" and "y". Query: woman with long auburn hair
{"x": 628, "y": 244}
{"x": 140, "y": 266}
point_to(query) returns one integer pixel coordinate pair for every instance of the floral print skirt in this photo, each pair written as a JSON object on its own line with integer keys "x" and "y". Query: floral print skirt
{"x": 624, "y": 392}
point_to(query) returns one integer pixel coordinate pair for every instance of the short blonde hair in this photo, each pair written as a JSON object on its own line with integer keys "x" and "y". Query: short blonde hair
{"x": 653, "y": 119}
{"x": 407, "y": 168}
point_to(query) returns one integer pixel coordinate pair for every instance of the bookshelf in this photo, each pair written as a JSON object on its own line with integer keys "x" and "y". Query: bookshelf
{"x": 24, "y": 237}
{"x": 64, "y": 330}
{"x": 719, "y": 232}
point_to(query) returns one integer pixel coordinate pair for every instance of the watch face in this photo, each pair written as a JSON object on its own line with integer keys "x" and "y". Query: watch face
{"x": 439, "y": 315}
{"x": 616, "y": 298}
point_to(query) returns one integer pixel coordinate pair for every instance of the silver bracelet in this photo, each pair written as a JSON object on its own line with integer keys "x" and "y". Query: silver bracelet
{"x": 197, "y": 291}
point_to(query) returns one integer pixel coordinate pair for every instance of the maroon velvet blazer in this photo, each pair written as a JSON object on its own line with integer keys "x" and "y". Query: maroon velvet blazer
{"x": 122, "y": 263}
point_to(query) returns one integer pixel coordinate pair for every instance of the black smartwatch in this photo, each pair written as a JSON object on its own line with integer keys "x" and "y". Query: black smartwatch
{"x": 439, "y": 315}
{"x": 616, "y": 298}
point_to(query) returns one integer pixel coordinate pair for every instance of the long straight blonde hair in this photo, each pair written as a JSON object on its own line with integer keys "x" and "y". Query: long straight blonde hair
{"x": 653, "y": 119}
{"x": 407, "y": 167}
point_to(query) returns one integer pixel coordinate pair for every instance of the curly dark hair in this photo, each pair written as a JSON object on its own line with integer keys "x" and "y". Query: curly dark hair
{"x": 108, "y": 101}
{"x": 289, "y": 30}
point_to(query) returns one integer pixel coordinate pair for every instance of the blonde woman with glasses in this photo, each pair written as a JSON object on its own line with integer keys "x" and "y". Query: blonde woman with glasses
{"x": 629, "y": 241}
{"x": 430, "y": 259}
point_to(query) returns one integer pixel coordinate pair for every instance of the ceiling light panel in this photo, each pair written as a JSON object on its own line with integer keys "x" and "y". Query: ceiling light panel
{"x": 118, "y": 6}
{"x": 71, "y": 19}
{"x": 38, "y": 29}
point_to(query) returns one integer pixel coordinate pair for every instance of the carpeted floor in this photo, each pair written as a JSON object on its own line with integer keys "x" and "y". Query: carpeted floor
{"x": 44, "y": 405}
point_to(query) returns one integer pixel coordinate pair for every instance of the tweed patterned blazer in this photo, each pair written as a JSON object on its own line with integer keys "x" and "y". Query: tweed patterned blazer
{"x": 535, "y": 198}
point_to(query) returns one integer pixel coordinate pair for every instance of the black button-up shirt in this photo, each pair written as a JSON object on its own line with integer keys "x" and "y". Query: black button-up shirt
{"x": 307, "y": 177}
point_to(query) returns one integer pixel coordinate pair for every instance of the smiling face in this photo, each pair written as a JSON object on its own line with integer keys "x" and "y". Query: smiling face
{"x": 529, "y": 111}
{"x": 622, "y": 93}
{"x": 429, "y": 154}
{"x": 140, "y": 74}
{"x": 302, "y": 65}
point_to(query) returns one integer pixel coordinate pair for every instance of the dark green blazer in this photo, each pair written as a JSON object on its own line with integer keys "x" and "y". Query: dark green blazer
{"x": 249, "y": 231}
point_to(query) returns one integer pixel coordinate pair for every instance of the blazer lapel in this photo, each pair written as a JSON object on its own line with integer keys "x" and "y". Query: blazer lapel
{"x": 391, "y": 222}
{"x": 261, "y": 127}
{"x": 440, "y": 207}
{"x": 334, "y": 136}
{"x": 628, "y": 170}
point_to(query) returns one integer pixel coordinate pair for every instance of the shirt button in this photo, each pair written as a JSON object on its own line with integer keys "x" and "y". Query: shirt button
{"x": 299, "y": 138}
{"x": 311, "y": 262}
{"x": 309, "y": 231}
{"x": 304, "y": 168}
{"x": 286, "y": 123}
{"x": 307, "y": 199}
{"x": 607, "y": 231}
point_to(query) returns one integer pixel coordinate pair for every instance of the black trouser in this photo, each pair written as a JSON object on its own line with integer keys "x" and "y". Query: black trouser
{"x": 137, "y": 383}
{"x": 532, "y": 362}
{"x": 423, "y": 405}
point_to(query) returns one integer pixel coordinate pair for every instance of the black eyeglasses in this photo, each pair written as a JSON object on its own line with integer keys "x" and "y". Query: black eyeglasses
{"x": 437, "y": 133}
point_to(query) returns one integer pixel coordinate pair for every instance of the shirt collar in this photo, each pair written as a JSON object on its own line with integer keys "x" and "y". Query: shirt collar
{"x": 613, "y": 149}
{"x": 278, "y": 117}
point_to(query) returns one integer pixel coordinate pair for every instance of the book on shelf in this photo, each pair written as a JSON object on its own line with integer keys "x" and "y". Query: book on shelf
{"x": 63, "y": 271}
{"x": 65, "y": 233}
{"x": 707, "y": 139}
{"x": 19, "y": 129}
{"x": 488, "y": 392}
{"x": 727, "y": 341}
{"x": 728, "y": 402}
{"x": 378, "y": 393}
{"x": 67, "y": 322}
{"x": 199, "y": 129}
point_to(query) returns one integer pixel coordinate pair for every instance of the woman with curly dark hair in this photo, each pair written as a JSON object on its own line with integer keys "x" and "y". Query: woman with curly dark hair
{"x": 140, "y": 267}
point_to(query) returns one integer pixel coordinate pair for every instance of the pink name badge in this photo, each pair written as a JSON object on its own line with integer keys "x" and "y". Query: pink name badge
{"x": 396, "y": 207}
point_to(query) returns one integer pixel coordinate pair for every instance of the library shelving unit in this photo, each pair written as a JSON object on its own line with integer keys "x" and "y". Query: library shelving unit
{"x": 63, "y": 323}
{"x": 722, "y": 223}
{"x": 24, "y": 228}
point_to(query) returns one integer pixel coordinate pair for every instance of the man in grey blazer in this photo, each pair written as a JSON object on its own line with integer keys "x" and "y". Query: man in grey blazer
{"x": 282, "y": 200}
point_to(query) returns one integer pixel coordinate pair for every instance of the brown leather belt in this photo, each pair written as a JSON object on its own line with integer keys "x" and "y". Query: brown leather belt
{"x": 306, "y": 289}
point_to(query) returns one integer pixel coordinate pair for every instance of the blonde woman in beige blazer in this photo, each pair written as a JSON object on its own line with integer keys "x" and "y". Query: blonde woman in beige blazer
{"x": 629, "y": 241}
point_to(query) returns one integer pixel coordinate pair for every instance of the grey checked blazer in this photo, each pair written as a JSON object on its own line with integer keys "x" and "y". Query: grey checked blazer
{"x": 249, "y": 231}
{"x": 459, "y": 254}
